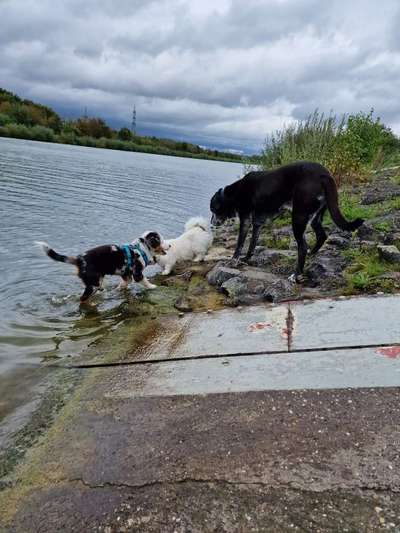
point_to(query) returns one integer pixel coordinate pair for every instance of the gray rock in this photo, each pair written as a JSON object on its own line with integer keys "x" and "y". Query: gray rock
{"x": 392, "y": 238}
{"x": 389, "y": 253}
{"x": 264, "y": 257}
{"x": 339, "y": 241}
{"x": 381, "y": 191}
{"x": 278, "y": 290}
{"x": 393, "y": 276}
{"x": 369, "y": 245}
{"x": 182, "y": 304}
{"x": 367, "y": 232}
{"x": 220, "y": 273}
{"x": 255, "y": 285}
{"x": 326, "y": 268}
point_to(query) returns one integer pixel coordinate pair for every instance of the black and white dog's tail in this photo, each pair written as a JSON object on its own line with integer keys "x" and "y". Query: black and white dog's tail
{"x": 332, "y": 201}
{"x": 56, "y": 256}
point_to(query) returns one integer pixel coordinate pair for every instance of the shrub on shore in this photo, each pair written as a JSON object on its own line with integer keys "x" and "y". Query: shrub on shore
{"x": 35, "y": 133}
{"x": 349, "y": 145}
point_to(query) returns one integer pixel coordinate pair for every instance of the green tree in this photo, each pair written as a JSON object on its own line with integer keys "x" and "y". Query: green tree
{"x": 125, "y": 134}
{"x": 93, "y": 127}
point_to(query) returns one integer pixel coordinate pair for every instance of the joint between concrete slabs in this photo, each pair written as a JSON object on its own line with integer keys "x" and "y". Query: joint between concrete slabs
{"x": 223, "y": 481}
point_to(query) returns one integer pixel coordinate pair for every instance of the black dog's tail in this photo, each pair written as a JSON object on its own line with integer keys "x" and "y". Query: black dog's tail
{"x": 333, "y": 206}
{"x": 54, "y": 255}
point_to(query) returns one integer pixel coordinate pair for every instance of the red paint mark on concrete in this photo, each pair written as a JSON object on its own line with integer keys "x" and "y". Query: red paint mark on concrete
{"x": 257, "y": 326}
{"x": 285, "y": 332}
{"x": 391, "y": 351}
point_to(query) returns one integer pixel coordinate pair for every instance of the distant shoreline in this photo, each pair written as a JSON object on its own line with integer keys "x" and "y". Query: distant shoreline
{"x": 24, "y": 119}
{"x": 107, "y": 144}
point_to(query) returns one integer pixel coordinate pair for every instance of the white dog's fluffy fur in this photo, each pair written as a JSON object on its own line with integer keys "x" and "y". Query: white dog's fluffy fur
{"x": 193, "y": 244}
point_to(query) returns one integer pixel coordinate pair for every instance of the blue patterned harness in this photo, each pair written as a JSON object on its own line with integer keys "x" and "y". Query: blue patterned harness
{"x": 129, "y": 252}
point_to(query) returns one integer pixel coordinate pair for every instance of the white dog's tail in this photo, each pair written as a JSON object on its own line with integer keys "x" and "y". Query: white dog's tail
{"x": 197, "y": 222}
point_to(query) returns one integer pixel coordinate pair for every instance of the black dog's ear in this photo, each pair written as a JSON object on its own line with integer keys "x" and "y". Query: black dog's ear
{"x": 221, "y": 193}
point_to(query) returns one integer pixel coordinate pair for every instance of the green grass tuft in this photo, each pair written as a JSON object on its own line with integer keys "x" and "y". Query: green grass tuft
{"x": 366, "y": 272}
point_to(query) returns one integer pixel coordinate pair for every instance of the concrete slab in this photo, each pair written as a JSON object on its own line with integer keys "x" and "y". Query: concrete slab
{"x": 160, "y": 459}
{"x": 336, "y": 369}
{"x": 230, "y": 331}
{"x": 360, "y": 321}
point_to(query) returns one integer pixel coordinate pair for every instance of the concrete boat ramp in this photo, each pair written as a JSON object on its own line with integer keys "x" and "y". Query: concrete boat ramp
{"x": 270, "y": 418}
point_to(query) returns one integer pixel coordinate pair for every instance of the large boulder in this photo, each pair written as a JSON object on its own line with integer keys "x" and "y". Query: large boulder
{"x": 339, "y": 239}
{"x": 326, "y": 269}
{"x": 254, "y": 285}
{"x": 281, "y": 262}
{"x": 221, "y": 273}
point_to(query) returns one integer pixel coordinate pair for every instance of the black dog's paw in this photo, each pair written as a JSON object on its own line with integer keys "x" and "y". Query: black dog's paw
{"x": 233, "y": 262}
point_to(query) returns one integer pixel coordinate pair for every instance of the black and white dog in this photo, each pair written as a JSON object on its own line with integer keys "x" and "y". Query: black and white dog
{"x": 127, "y": 261}
{"x": 261, "y": 195}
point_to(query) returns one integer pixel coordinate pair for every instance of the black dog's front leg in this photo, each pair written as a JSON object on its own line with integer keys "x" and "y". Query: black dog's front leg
{"x": 254, "y": 239}
{"x": 243, "y": 230}
{"x": 258, "y": 221}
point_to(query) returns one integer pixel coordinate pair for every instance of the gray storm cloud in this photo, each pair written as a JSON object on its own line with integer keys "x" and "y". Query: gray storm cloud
{"x": 224, "y": 73}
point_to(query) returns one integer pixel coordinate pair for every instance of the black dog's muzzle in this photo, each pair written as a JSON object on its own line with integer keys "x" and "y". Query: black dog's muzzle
{"x": 216, "y": 220}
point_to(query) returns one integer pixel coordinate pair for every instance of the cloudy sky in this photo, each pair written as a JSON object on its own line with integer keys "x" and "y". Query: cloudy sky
{"x": 221, "y": 73}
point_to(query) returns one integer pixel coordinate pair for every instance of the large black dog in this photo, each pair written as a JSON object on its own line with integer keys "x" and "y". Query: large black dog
{"x": 261, "y": 195}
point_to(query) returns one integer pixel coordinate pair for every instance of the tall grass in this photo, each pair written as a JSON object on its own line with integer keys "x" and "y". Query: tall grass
{"x": 349, "y": 145}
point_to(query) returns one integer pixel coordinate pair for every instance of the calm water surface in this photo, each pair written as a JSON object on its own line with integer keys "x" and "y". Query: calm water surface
{"x": 76, "y": 198}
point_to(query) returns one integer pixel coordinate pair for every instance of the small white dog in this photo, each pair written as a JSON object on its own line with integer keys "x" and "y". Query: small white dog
{"x": 193, "y": 244}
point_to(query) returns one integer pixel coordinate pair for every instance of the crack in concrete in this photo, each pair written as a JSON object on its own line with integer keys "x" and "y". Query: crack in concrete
{"x": 214, "y": 481}
{"x": 289, "y": 328}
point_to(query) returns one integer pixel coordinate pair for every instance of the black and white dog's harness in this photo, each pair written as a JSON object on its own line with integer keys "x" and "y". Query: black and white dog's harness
{"x": 132, "y": 251}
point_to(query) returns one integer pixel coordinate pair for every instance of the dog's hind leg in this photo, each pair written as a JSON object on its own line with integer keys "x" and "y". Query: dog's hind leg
{"x": 88, "y": 292}
{"x": 92, "y": 285}
{"x": 299, "y": 223}
{"x": 319, "y": 231}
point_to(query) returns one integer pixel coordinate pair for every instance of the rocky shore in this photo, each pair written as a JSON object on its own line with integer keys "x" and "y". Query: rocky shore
{"x": 367, "y": 261}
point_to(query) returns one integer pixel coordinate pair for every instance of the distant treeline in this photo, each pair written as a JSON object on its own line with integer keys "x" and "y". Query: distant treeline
{"x": 24, "y": 119}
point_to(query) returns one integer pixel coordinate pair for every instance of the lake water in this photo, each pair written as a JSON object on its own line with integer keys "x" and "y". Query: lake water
{"x": 76, "y": 198}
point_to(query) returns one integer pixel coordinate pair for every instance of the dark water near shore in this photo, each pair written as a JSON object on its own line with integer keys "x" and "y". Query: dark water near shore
{"x": 75, "y": 198}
